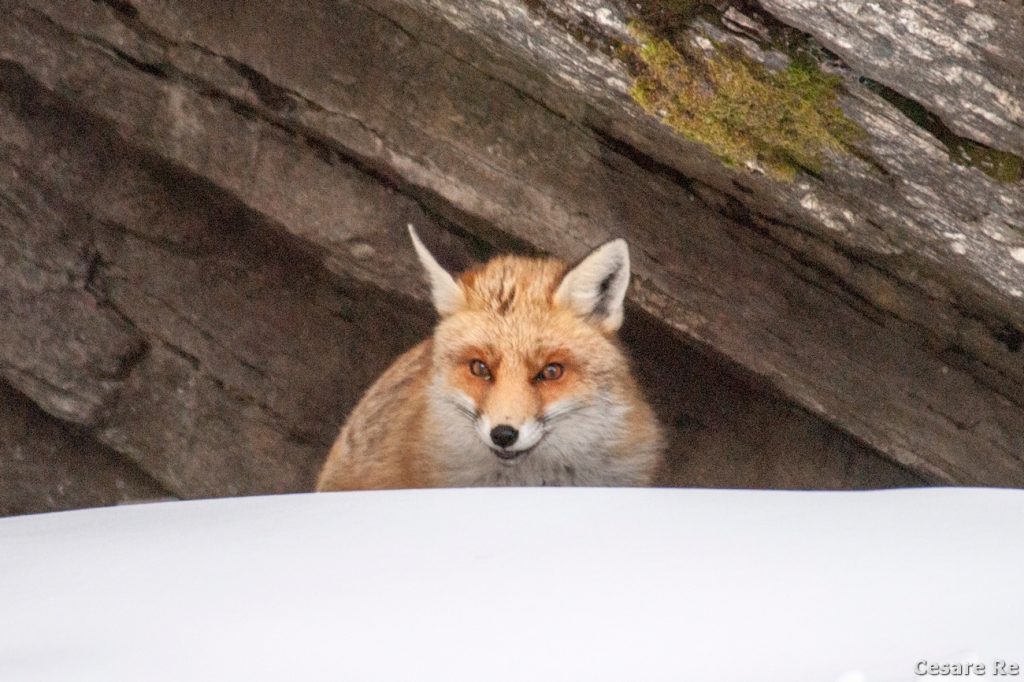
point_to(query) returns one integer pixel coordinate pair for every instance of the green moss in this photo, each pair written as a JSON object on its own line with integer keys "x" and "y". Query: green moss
{"x": 783, "y": 121}
{"x": 1003, "y": 166}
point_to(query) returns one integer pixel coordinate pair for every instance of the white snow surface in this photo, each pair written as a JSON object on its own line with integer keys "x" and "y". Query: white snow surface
{"x": 517, "y": 584}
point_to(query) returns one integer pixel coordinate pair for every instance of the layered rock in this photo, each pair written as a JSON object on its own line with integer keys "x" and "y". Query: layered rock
{"x": 205, "y": 260}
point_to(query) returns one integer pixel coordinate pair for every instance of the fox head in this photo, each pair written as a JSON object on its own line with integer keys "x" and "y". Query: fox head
{"x": 526, "y": 352}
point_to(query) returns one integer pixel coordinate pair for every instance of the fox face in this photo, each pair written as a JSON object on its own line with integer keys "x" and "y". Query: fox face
{"x": 529, "y": 385}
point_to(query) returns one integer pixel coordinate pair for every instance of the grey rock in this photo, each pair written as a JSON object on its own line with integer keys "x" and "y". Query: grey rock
{"x": 962, "y": 60}
{"x": 47, "y": 465}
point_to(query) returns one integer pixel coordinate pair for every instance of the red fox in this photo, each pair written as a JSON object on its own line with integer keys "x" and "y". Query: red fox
{"x": 522, "y": 383}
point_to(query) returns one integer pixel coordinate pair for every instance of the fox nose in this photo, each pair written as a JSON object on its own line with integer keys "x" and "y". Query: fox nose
{"x": 504, "y": 435}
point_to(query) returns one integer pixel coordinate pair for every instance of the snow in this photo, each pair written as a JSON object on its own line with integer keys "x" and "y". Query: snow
{"x": 517, "y": 584}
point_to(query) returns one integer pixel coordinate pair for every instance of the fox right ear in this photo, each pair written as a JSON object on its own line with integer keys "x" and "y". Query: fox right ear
{"x": 596, "y": 288}
{"x": 446, "y": 292}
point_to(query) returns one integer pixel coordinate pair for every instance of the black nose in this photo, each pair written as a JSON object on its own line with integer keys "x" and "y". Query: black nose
{"x": 504, "y": 435}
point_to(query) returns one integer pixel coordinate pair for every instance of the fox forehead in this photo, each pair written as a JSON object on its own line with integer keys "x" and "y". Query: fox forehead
{"x": 509, "y": 318}
{"x": 511, "y": 285}
{"x": 509, "y": 313}
{"x": 519, "y": 338}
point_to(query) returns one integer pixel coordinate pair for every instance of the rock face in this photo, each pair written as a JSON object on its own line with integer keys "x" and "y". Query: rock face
{"x": 204, "y": 261}
{"x": 47, "y": 466}
{"x": 961, "y": 60}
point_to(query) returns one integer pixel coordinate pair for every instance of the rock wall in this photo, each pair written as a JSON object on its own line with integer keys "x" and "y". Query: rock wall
{"x": 47, "y": 465}
{"x": 202, "y": 211}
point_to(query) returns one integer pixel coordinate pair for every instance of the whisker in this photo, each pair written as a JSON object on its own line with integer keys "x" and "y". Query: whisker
{"x": 470, "y": 412}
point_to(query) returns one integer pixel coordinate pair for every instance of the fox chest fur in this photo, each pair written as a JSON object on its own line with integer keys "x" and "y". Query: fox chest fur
{"x": 522, "y": 383}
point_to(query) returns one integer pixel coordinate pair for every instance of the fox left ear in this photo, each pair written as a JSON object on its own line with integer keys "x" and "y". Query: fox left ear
{"x": 446, "y": 292}
{"x": 596, "y": 288}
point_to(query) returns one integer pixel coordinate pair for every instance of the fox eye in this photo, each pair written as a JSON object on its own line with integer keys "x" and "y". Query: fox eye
{"x": 479, "y": 369}
{"x": 550, "y": 372}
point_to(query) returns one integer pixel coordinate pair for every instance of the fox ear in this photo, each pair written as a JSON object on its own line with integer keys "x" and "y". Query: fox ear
{"x": 596, "y": 288}
{"x": 446, "y": 292}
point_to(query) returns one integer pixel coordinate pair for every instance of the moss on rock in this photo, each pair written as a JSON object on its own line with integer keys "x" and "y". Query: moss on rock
{"x": 780, "y": 121}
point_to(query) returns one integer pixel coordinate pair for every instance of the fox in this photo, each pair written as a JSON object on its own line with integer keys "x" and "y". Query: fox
{"x": 522, "y": 383}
